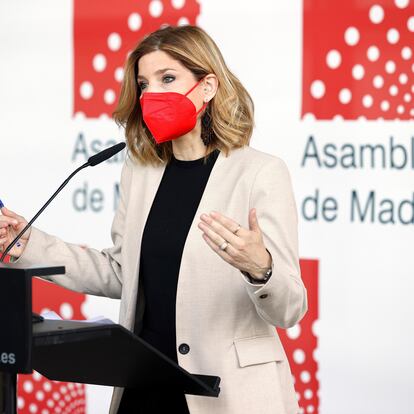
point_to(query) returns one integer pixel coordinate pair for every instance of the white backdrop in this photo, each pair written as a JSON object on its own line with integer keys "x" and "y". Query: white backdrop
{"x": 365, "y": 335}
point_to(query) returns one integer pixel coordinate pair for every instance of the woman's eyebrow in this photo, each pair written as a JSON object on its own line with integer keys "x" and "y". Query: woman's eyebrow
{"x": 157, "y": 72}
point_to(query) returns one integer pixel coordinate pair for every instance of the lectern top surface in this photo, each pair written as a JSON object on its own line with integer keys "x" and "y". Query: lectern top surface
{"x": 35, "y": 270}
{"x": 53, "y": 327}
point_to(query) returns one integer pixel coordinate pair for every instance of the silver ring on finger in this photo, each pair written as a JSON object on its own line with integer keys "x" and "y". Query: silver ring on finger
{"x": 224, "y": 245}
{"x": 238, "y": 228}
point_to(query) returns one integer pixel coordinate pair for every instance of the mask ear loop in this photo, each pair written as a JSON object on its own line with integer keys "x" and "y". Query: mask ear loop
{"x": 205, "y": 105}
{"x": 195, "y": 86}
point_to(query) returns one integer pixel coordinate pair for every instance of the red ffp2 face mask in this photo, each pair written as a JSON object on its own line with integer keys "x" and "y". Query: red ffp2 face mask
{"x": 169, "y": 115}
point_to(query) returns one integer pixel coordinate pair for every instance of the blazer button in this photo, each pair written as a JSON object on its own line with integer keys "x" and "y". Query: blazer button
{"x": 184, "y": 349}
{"x": 264, "y": 296}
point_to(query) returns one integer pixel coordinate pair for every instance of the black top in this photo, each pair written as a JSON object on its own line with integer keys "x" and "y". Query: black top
{"x": 169, "y": 220}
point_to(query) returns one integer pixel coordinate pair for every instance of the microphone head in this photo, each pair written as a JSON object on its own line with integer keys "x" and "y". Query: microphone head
{"x": 105, "y": 154}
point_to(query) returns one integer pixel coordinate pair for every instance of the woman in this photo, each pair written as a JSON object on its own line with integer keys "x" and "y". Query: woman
{"x": 214, "y": 222}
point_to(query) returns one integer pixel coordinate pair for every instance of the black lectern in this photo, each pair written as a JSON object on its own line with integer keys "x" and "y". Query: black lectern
{"x": 93, "y": 353}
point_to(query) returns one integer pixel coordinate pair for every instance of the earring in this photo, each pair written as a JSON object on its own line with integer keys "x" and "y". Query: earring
{"x": 207, "y": 134}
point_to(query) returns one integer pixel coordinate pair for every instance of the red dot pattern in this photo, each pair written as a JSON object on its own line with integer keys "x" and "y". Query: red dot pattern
{"x": 358, "y": 59}
{"x": 104, "y": 33}
{"x": 36, "y": 393}
{"x": 300, "y": 344}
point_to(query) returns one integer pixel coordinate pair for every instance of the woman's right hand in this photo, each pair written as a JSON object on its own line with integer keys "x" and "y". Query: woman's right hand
{"x": 11, "y": 224}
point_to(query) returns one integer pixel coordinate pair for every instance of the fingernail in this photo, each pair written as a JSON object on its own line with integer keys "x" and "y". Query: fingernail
{"x": 1, "y": 204}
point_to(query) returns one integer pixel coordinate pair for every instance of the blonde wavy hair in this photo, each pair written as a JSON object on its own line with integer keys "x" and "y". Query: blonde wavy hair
{"x": 231, "y": 110}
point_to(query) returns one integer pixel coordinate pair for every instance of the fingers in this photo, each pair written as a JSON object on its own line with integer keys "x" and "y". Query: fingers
{"x": 4, "y": 235}
{"x": 16, "y": 222}
{"x": 216, "y": 232}
{"x": 4, "y": 238}
{"x": 216, "y": 237}
{"x": 7, "y": 227}
{"x": 225, "y": 221}
{"x": 8, "y": 213}
{"x": 6, "y": 221}
{"x": 253, "y": 221}
{"x": 224, "y": 255}
{"x": 224, "y": 227}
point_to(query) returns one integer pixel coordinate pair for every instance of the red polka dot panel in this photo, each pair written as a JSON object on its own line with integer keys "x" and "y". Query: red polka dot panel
{"x": 300, "y": 344}
{"x": 104, "y": 35}
{"x": 358, "y": 60}
{"x": 36, "y": 393}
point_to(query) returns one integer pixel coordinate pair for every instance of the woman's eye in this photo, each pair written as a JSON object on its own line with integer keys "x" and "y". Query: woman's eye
{"x": 168, "y": 79}
{"x": 165, "y": 79}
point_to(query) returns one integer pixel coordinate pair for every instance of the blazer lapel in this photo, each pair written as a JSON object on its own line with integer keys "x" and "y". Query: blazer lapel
{"x": 144, "y": 185}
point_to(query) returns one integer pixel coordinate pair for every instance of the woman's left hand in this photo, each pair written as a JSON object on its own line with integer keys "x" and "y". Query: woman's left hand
{"x": 245, "y": 250}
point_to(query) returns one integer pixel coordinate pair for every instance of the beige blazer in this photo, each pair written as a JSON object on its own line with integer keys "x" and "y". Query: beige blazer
{"x": 228, "y": 322}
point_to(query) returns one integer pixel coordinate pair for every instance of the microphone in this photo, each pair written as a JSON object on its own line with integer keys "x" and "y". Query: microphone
{"x": 105, "y": 154}
{"x": 92, "y": 161}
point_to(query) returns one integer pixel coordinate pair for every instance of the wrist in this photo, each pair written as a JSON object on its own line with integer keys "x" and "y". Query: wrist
{"x": 260, "y": 273}
{"x": 263, "y": 276}
{"x": 261, "y": 279}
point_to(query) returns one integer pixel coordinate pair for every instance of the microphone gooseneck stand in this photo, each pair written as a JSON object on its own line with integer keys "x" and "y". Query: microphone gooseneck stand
{"x": 8, "y": 381}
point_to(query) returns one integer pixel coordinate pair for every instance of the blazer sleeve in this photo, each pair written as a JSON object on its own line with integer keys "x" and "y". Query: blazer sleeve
{"x": 282, "y": 300}
{"x": 87, "y": 269}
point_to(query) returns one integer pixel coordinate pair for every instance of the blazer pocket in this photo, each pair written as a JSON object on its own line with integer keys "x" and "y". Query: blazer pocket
{"x": 258, "y": 350}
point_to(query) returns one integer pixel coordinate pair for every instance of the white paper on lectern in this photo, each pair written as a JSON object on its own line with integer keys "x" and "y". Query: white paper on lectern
{"x": 53, "y": 316}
